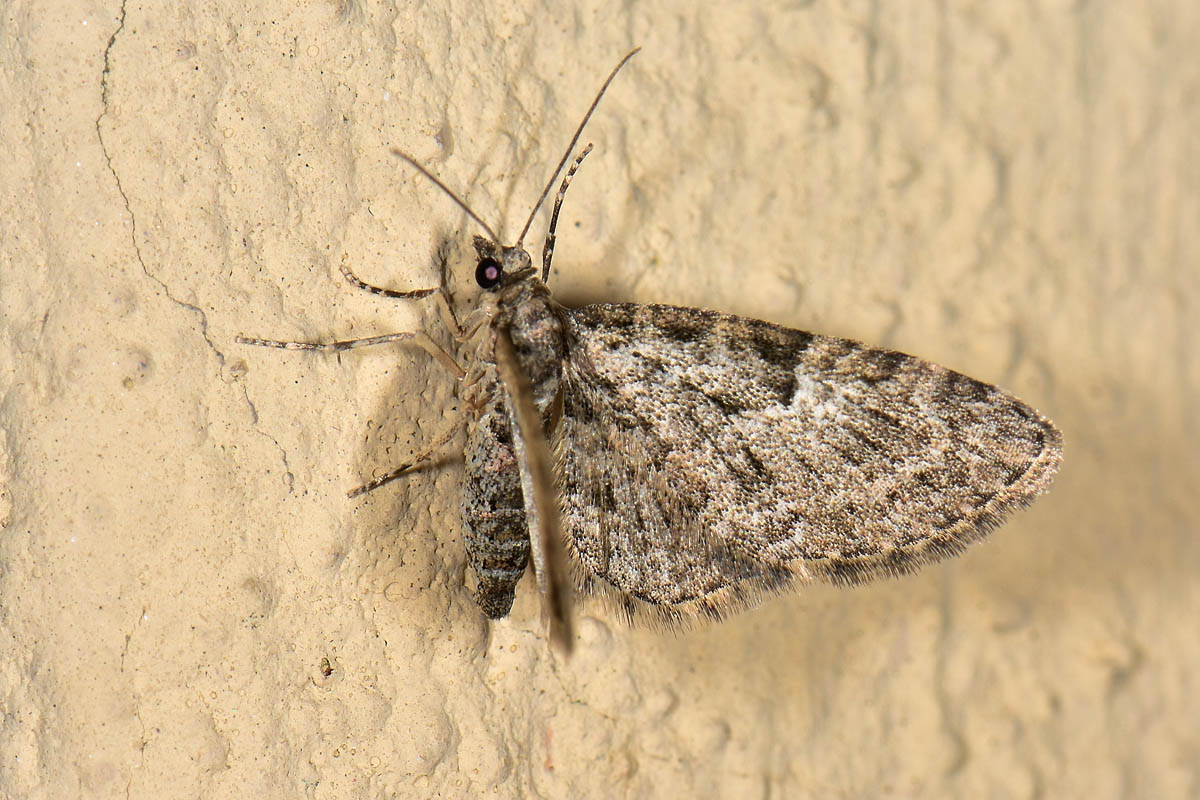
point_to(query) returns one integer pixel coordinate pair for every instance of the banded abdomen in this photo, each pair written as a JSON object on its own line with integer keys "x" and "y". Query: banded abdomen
{"x": 497, "y": 539}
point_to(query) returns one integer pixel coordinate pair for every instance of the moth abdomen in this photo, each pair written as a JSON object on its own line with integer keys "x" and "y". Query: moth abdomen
{"x": 498, "y": 566}
{"x": 496, "y": 537}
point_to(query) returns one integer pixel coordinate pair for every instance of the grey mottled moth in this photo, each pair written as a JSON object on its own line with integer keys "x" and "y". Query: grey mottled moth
{"x": 686, "y": 463}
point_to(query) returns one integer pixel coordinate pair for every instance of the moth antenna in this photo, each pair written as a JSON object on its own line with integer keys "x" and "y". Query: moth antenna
{"x": 548, "y": 247}
{"x": 417, "y": 166}
{"x": 543, "y": 508}
{"x": 574, "y": 139}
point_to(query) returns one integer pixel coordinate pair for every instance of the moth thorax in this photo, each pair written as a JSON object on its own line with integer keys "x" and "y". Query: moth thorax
{"x": 539, "y": 338}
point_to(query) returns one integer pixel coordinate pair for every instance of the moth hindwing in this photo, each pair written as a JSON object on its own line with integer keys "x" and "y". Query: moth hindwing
{"x": 685, "y": 463}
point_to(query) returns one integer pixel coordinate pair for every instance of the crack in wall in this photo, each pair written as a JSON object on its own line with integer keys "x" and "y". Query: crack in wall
{"x": 288, "y": 477}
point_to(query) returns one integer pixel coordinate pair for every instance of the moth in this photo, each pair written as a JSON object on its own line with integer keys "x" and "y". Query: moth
{"x": 687, "y": 463}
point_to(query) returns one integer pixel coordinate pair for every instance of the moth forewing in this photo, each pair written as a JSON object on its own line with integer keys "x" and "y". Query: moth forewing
{"x": 542, "y": 505}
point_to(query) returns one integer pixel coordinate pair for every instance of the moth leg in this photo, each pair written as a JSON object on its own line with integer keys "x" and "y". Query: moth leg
{"x": 419, "y": 461}
{"x": 474, "y": 321}
{"x": 449, "y": 318}
{"x": 419, "y": 338}
{"x": 548, "y": 247}
{"x": 408, "y": 294}
{"x": 461, "y": 332}
{"x": 468, "y": 388}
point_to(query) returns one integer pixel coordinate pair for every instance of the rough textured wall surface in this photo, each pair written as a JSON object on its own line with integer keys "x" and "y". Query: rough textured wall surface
{"x": 190, "y": 606}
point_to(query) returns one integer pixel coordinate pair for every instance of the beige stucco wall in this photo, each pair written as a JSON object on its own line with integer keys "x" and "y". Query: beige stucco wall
{"x": 1008, "y": 189}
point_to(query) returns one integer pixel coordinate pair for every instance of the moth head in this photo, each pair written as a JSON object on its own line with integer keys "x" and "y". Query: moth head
{"x": 499, "y": 266}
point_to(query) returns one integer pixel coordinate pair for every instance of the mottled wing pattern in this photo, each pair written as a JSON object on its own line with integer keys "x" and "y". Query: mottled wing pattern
{"x": 705, "y": 459}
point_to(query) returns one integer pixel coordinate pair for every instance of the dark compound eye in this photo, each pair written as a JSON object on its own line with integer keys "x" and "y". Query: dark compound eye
{"x": 488, "y": 273}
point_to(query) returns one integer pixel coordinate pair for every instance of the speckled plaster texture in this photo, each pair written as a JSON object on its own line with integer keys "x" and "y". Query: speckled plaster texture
{"x": 190, "y": 606}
